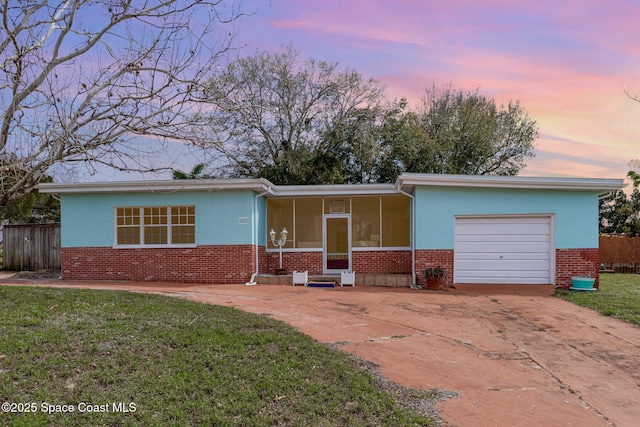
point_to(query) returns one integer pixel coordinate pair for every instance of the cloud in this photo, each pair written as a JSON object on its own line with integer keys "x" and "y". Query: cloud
{"x": 558, "y": 156}
{"x": 568, "y": 62}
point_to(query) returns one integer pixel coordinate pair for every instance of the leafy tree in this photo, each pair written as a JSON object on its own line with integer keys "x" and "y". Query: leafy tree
{"x": 82, "y": 80}
{"x": 278, "y": 116}
{"x": 381, "y": 143}
{"x": 296, "y": 121}
{"x": 30, "y": 208}
{"x": 464, "y": 133}
{"x": 356, "y": 148}
{"x": 620, "y": 213}
{"x": 405, "y": 145}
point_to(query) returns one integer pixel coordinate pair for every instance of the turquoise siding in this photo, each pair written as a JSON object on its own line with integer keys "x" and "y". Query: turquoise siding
{"x": 88, "y": 219}
{"x": 576, "y": 213}
{"x": 262, "y": 221}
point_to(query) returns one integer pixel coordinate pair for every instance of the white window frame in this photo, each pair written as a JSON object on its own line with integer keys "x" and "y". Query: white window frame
{"x": 169, "y": 244}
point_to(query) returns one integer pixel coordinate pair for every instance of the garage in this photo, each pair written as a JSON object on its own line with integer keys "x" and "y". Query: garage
{"x": 514, "y": 249}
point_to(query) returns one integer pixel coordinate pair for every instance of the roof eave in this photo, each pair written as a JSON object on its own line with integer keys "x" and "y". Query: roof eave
{"x": 334, "y": 190}
{"x": 405, "y": 182}
{"x": 165, "y": 186}
{"x": 600, "y": 185}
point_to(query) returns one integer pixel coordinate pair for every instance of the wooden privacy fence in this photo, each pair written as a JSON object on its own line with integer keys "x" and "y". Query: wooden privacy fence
{"x": 620, "y": 253}
{"x": 31, "y": 247}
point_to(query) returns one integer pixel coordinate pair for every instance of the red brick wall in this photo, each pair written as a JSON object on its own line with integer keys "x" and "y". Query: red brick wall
{"x": 382, "y": 262}
{"x": 263, "y": 260}
{"x": 202, "y": 264}
{"x": 374, "y": 262}
{"x": 298, "y": 261}
{"x": 569, "y": 262}
{"x": 433, "y": 258}
{"x": 577, "y": 262}
{"x": 236, "y": 263}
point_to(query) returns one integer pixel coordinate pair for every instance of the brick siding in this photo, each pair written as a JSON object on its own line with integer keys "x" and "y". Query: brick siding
{"x": 298, "y": 261}
{"x": 373, "y": 262}
{"x": 236, "y": 263}
{"x": 202, "y": 264}
{"x": 577, "y": 262}
{"x": 382, "y": 262}
{"x": 569, "y": 262}
{"x": 434, "y": 258}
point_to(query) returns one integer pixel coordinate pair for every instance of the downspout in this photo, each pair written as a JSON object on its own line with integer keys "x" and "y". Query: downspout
{"x": 413, "y": 232}
{"x": 256, "y": 226}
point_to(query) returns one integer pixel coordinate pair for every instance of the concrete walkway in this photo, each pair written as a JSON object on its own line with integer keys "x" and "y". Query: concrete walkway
{"x": 515, "y": 355}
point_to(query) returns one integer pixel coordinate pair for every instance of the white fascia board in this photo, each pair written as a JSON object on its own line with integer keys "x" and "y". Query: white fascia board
{"x": 406, "y": 182}
{"x": 166, "y": 186}
{"x": 333, "y": 190}
{"x": 601, "y": 185}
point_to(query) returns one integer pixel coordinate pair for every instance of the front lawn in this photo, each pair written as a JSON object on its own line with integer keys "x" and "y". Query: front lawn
{"x": 618, "y": 296}
{"x": 116, "y": 358}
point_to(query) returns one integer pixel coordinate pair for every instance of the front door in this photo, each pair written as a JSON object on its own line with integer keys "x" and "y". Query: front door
{"x": 337, "y": 244}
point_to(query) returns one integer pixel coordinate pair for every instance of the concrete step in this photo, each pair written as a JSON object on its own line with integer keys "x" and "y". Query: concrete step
{"x": 385, "y": 280}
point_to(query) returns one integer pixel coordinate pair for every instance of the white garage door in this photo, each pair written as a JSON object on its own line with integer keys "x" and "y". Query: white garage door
{"x": 504, "y": 249}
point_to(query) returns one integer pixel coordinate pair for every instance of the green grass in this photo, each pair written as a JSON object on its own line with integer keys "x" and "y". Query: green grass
{"x": 178, "y": 362}
{"x": 618, "y": 296}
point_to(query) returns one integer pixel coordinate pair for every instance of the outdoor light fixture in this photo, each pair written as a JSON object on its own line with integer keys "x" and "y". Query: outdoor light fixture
{"x": 280, "y": 243}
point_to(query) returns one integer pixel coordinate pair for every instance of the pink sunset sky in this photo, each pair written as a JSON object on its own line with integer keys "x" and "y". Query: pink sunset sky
{"x": 569, "y": 62}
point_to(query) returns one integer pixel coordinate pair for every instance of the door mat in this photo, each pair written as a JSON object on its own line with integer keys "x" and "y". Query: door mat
{"x": 321, "y": 284}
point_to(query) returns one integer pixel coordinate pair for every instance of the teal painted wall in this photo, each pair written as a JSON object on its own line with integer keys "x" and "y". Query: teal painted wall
{"x": 87, "y": 219}
{"x": 262, "y": 221}
{"x": 576, "y": 212}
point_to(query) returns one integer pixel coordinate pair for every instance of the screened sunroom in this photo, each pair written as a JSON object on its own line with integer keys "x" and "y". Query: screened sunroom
{"x": 338, "y": 225}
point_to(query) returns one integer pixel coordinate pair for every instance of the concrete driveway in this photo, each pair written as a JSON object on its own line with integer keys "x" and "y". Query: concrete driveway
{"x": 515, "y": 355}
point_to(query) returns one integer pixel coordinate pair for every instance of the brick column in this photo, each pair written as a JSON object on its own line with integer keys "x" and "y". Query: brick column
{"x": 434, "y": 258}
{"x": 577, "y": 262}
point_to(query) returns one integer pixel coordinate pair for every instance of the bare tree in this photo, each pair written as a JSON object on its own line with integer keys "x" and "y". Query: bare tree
{"x": 275, "y": 116}
{"x": 83, "y": 80}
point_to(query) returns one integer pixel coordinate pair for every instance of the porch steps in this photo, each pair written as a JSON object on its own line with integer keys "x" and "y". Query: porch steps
{"x": 385, "y": 280}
